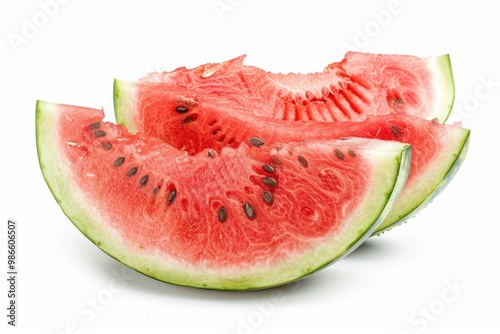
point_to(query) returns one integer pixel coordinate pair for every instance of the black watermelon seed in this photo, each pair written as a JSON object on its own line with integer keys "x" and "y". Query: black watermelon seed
{"x": 118, "y": 162}
{"x": 352, "y": 153}
{"x": 303, "y": 161}
{"x": 144, "y": 180}
{"x": 106, "y": 145}
{"x": 269, "y": 181}
{"x": 257, "y": 142}
{"x": 181, "y": 109}
{"x": 210, "y": 155}
{"x": 155, "y": 190}
{"x": 339, "y": 154}
{"x": 132, "y": 171}
{"x": 276, "y": 160}
{"x": 188, "y": 119}
{"x": 268, "y": 197}
{"x": 99, "y": 133}
{"x": 249, "y": 210}
{"x": 396, "y": 131}
{"x": 268, "y": 168}
{"x": 222, "y": 214}
{"x": 95, "y": 125}
{"x": 171, "y": 196}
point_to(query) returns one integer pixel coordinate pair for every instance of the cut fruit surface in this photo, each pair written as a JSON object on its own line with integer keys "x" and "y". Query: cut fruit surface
{"x": 361, "y": 84}
{"x": 253, "y": 217}
{"x": 212, "y": 121}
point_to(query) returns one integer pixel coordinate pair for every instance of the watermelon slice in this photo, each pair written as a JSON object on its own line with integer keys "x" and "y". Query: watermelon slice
{"x": 361, "y": 84}
{"x": 248, "y": 218}
{"x": 192, "y": 122}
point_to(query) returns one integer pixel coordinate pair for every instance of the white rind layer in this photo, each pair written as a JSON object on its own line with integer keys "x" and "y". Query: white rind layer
{"x": 444, "y": 86}
{"x": 124, "y": 99}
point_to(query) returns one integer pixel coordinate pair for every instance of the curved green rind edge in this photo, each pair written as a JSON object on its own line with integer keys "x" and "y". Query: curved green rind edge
{"x": 403, "y": 168}
{"x": 403, "y": 161}
{"x": 445, "y": 86}
{"x": 49, "y": 162}
{"x": 393, "y": 173}
{"x": 452, "y": 171}
{"x": 40, "y": 119}
{"x": 124, "y": 100}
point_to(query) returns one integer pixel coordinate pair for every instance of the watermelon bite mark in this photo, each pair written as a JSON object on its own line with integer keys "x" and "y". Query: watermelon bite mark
{"x": 361, "y": 84}
{"x": 247, "y": 218}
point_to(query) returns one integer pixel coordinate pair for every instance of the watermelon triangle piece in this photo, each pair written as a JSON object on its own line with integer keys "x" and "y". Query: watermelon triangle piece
{"x": 248, "y": 218}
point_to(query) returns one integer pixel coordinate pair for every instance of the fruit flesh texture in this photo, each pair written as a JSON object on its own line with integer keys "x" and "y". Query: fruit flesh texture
{"x": 209, "y": 121}
{"x": 361, "y": 84}
{"x": 182, "y": 240}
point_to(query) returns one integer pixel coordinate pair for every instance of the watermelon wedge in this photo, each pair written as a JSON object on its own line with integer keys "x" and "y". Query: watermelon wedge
{"x": 192, "y": 121}
{"x": 361, "y": 84}
{"x": 248, "y": 218}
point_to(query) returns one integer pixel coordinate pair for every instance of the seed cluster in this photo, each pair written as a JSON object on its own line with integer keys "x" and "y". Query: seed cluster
{"x": 269, "y": 181}
{"x": 134, "y": 170}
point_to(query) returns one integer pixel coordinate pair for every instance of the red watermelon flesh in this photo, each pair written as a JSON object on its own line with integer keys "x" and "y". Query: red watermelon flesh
{"x": 361, "y": 84}
{"x": 208, "y": 121}
{"x": 244, "y": 218}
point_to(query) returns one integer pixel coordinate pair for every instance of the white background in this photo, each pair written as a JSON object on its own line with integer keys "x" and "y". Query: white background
{"x": 397, "y": 283}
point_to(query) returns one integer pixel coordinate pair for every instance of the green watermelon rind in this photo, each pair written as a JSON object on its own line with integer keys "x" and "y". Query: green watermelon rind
{"x": 389, "y": 178}
{"x": 124, "y": 99}
{"x": 444, "y": 86}
{"x": 458, "y": 152}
